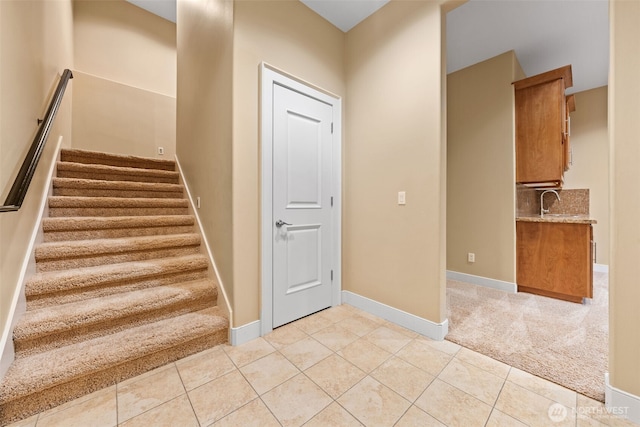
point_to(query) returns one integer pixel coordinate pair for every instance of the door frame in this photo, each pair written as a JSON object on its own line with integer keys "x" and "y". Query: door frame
{"x": 270, "y": 76}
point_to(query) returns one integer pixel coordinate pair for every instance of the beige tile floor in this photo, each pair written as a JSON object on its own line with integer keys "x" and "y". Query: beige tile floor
{"x": 339, "y": 367}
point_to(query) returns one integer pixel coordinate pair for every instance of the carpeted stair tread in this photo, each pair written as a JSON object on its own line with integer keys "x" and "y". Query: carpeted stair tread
{"x": 100, "y": 316}
{"x": 105, "y": 275}
{"x": 41, "y": 371}
{"x": 100, "y": 188}
{"x": 115, "y": 173}
{"x": 64, "y": 206}
{"x": 115, "y": 202}
{"x": 85, "y": 248}
{"x": 95, "y": 157}
{"x": 82, "y": 228}
{"x": 102, "y": 223}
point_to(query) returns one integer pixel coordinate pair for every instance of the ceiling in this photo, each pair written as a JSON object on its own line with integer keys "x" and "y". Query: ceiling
{"x": 545, "y": 34}
{"x": 345, "y": 14}
{"x": 164, "y": 8}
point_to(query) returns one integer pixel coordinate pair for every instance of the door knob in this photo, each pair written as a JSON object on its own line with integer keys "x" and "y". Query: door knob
{"x": 280, "y": 223}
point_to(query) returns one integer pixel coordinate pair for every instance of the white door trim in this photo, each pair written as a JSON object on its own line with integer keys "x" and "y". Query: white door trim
{"x": 269, "y": 76}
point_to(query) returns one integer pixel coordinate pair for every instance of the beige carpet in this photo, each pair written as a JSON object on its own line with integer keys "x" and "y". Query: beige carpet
{"x": 563, "y": 342}
{"x": 121, "y": 286}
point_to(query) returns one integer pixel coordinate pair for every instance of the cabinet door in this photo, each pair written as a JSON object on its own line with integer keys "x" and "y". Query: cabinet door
{"x": 554, "y": 259}
{"x": 540, "y": 115}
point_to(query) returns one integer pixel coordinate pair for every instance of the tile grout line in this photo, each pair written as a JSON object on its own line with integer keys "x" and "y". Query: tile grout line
{"x": 166, "y": 367}
{"x": 187, "y": 394}
{"x": 268, "y": 409}
{"x": 117, "y": 411}
{"x": 493, "y": 408}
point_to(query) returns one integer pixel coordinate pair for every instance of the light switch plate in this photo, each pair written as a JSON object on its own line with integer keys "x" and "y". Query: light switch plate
{"x": 402, "y": 198}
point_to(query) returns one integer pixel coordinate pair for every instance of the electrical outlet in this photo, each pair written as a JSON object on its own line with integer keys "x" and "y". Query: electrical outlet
{"x": 198, "y": 202}
{"x": 471, "y": 257}
{"x": 160, "y": 151}
{"x": 402, "y": 198}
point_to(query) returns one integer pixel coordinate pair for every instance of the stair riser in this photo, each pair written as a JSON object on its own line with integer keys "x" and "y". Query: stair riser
{"x": 45, "y": 399}
{"x": 119, "y": 161}
{"x": 63, "y": 297}
{"x": 91, "y": 261}
{"x": 36, "y": 345}
{"x": 104, "y": 212}
{"x": 98, "y": 192}
{"x": 116, "y": 177}
{"x": 59, "y": 236}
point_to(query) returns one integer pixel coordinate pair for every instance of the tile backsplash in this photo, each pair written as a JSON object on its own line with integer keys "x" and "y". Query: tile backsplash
{"x": 572, "y": 201}
{"x": 527, "y": 201}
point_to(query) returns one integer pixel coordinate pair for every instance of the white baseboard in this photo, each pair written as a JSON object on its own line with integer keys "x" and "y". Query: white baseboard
{"x": 621, "y": 403}
{"x": 436, "y": 331}
{"x": 244, "y": 333}
{"x": 600, "y": 268}
{"x": 483, "y": 281}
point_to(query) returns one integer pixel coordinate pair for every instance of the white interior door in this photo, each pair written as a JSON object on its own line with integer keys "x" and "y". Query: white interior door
{"x": 302, "y": 199}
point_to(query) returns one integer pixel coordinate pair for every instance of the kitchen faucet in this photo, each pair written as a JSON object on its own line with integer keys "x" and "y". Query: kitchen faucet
{"x": 542, "y": 209}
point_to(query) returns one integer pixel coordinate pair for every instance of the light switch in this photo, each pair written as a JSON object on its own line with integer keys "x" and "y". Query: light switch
{"x": 402, "y": 198}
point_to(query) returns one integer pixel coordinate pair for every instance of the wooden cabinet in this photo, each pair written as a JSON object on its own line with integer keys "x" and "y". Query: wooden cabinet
{"x": 555, "y": 259}
{"x": 542, "y": 128}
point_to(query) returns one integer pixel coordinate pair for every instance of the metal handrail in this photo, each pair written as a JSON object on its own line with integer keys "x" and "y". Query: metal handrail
{"x": 23, "y": 179}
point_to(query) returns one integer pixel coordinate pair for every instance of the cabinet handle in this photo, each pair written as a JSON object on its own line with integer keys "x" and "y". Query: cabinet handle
{"x": 571, "y": 156}
{"x": 595, "y": 251}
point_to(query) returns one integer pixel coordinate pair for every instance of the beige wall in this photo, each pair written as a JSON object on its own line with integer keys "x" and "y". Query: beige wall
{"x": 590, "y": 168}
{"x": 204, "y": 126}
{"x": 31, "y": 64}
{"x": 624, "y": 268}
{"x": 291, "y": 37}
{"x": 112, "y": 117}
{"x": 125, "y": 98}
{"x": 119, "y": 41}
{"x": 394, "y": 74}
{"x": 481, "y": 168}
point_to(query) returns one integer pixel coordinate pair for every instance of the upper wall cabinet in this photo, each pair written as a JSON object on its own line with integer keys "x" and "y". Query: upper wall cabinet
{"x": 542, "y": 128}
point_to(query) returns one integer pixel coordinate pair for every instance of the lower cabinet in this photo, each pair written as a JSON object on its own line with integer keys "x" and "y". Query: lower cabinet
{"x": 555, "y": 259}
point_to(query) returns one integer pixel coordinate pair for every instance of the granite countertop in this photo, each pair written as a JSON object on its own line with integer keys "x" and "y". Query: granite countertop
{"x": 559, "y": 218}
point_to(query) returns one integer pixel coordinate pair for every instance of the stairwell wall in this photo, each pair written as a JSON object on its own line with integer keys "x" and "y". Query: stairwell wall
{"x": 125, "y": 97}
{"x": 36, "y": 45}
{"x": 204, "y": 121}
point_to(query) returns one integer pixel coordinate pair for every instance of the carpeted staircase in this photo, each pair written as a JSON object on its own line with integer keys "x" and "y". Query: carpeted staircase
{"x": 121, "y": 287}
